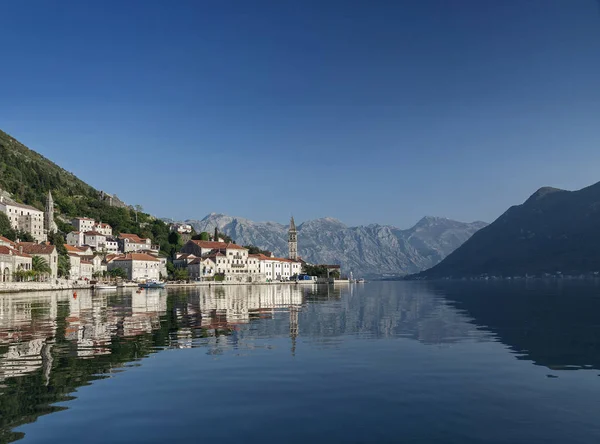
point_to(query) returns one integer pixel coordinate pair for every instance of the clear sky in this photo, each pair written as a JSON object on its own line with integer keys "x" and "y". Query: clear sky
{"x": 367, "y": 111}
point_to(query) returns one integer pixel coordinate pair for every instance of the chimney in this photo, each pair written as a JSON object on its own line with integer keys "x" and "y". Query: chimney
{"x": 20, "y": 249}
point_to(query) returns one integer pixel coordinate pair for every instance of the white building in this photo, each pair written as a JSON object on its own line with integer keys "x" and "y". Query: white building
{"x": 137, "y": 266}
{"x": 103, "y": 228}
{"x": 278, "y": 269}
{"x": 83, "y": 224}
{"x": 75, "y": 238}
{"x": 94, "y": 239}
{"x": 12, "y": 260}
{"x": 25, "y": 218}
{"x": 87, "y": 269}
{"x": 75, "y": 261}
{"x": 129, "y": 243}
{"x": 111, "y": 245}
{"x": 45, "y": 251}
{"x": 235, "y": 263}
{"x": 181, "y": 228}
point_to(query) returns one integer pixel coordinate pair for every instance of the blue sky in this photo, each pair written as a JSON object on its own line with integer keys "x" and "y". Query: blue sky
{"x": 367, "y": 111}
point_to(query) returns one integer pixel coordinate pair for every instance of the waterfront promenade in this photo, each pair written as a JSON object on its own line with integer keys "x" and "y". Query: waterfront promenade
{"x": 59, "y": 284}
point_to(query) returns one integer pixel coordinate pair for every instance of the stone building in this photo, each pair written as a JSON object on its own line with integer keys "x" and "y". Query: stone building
{"x": 12, "y": 260}
{"x": 24, "y": 218}
{"x": 137, "y": 266}
{"x": 45, "y": 251}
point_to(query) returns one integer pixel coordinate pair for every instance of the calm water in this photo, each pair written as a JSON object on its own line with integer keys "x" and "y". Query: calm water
{"x": 381, "y": 362}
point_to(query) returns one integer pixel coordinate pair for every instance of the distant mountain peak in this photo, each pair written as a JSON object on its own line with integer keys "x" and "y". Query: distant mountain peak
{"x": 364, "y": 250}
{"x": 543, "y": 192}
{"x": 554, "y": 231}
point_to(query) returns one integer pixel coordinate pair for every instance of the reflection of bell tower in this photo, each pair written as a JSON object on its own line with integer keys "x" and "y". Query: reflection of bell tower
{"x": 293, "y": 241}
{"x": 293, "y": 327}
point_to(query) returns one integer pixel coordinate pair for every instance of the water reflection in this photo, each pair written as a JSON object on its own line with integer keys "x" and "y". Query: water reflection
{"x": 52, "y": 343}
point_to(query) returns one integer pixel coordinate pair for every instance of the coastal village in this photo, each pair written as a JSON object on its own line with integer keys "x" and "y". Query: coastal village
{"x": 96, "y": 253}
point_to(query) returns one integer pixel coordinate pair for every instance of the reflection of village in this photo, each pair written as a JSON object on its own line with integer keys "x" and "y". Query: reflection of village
{"x": 32, "y": 327}
{"x": 35, "y": 329}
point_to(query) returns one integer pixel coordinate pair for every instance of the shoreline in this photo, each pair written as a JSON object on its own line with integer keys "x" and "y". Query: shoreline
{"x": 28, "y": 287}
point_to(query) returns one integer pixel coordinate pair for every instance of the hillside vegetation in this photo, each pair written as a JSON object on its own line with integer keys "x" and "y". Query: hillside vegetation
{"x": 28, "y": 176}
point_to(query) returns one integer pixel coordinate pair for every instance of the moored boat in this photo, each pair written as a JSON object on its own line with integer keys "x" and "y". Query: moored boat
{"x": 153, "y": 283}
{"x": 104, "y": 287}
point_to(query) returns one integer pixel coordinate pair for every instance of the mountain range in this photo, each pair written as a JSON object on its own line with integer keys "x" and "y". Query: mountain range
{"x": 554, "y": 231}
{"x": 370, "y": 251}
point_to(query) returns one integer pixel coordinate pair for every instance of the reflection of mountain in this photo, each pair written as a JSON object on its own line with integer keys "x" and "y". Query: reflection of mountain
{"x": 387, "y": 309}
{"x": 554, "y": 324}
{"x": 51, "y": 344}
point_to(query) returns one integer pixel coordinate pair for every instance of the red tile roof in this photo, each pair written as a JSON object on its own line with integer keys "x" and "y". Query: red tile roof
{"x": 262, "y": 257}
{"x": 136, "y": 257}
{"x": 217, "y": 245}
{"x": 8, "y": 241}
{"x": 93, "y": 233}
{"x": 33, "y": 248}
{"x": 11, "y": 251}
{"x": 133, "y": 238}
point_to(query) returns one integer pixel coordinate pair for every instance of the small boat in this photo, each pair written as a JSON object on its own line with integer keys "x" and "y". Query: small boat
{"x": 105, "y": 287}
{"x": 153, "y": 283}
{"x": 361, "y": 281}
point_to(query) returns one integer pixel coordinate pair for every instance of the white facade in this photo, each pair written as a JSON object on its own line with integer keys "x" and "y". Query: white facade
{"x": 75, "y": 238}
{"x": 12, "y": 260}
{"x": 103, "y": 228}
{"x": 25, "y": 218}
{"x": 83, "y": 224}
{"x": 75, "y": 271}
{"x": 45, "y": 251}
{"x": 279, "y": 269}
{"x": 111, "y": 246}
{"x": 137, "y": 266}
{"x": 130, "y": 243}
{"x": 94, "y": 239}
{"x": 87, "y": 269}
{"x": 181, "y": 228}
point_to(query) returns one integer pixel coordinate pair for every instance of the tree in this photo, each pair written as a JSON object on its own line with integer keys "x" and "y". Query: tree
{"x": 24, "y": 236}
{"x": 315, "y": 270}
{"x": 6, "y": 228}
{"x": 180, "y": 274}
{"x": 40, "y": 266}
{"x": 64, "y": 266}
{"x": 252, "y": 249}
{"x": 118, "y": 273}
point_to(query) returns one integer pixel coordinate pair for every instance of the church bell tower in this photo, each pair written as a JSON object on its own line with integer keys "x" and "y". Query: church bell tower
{"x": 293, "y": 241}
{"x": 49, "y": 224}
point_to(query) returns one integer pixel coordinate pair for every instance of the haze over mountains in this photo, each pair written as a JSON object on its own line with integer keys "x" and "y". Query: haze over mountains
{"x": 554, "y": 231}
{"x": 371, "y": 250}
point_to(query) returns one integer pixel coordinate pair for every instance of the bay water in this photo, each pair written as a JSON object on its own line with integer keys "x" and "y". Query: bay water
{"x": 381, "y": 362}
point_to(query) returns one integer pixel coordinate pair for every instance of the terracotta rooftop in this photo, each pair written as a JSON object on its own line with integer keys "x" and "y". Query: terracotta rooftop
{"x": 132, "y": 238}
{"x": 136, "y": 257}
{"x": 20, "y": 205}
{"x": 93, "y": 233}
{"x": 7, "y": 241}
{"x": 217, "y": 245}
{"x": 11, "y": 251}
{"x": 33, "y": 248}
{"x": 262, "y": 257}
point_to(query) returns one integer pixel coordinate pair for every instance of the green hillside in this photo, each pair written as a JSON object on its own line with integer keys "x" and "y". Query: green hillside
{"x": 28, "y": 176}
